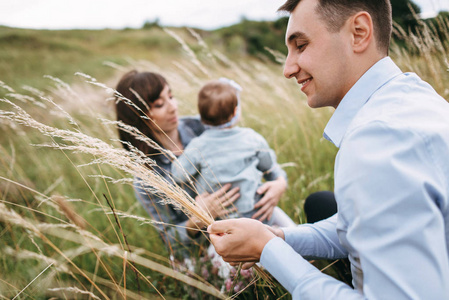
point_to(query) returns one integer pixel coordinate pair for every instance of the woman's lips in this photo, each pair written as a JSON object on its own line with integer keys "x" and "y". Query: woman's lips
{"x": 173, "y": 120}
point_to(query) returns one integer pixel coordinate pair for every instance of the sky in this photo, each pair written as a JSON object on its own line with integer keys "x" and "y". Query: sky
{"x": 118, "y": 14}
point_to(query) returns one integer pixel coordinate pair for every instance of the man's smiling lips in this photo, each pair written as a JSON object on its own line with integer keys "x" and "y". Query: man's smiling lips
{"x": 304, "y": 83}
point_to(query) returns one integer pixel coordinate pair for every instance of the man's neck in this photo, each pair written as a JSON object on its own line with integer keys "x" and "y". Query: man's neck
{"x": 361, "y": 65}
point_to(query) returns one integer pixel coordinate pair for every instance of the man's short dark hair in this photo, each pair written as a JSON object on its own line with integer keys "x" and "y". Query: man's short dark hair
{"x": 335, "y": 13}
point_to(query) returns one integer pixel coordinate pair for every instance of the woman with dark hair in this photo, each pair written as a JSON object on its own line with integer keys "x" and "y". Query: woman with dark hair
{"x": 157, "y": 118}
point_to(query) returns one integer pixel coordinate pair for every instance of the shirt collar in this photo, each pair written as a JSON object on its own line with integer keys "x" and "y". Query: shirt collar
{"x": 373, "y": 79}
{"x": 223, "y": 132}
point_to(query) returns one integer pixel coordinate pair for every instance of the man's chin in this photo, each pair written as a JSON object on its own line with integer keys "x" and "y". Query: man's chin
{"x": 311, "y": 103}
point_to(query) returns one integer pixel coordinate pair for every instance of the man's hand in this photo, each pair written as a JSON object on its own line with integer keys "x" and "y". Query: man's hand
{"x": 239, "y": 240}
{"x": 277, "y": 231}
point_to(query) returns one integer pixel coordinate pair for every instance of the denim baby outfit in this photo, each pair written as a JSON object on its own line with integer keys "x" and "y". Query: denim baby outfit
{"x": 237, "y": 155}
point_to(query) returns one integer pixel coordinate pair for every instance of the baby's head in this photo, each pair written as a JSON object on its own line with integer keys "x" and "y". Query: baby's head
{"x": 218, "y": 102}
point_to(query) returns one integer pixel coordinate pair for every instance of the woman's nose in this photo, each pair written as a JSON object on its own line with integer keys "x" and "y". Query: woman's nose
{"x": 173, "y": 104}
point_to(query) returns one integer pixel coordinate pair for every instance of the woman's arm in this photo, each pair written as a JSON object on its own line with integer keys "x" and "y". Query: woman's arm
{"x": 170, "y": 223}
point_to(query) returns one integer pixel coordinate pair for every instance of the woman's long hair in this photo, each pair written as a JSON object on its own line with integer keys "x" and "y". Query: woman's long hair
{"x": 142, "y": 88}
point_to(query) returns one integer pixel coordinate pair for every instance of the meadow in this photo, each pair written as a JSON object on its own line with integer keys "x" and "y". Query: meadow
{"x": 70, "y": 226}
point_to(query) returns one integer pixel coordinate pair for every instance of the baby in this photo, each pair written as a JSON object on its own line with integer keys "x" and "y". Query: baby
{"x": 225, "y": 153}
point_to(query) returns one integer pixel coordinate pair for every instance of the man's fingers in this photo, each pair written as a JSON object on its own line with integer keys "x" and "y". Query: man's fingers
{"x": 214, "y": 238}
{"x": 243, "y": 265}
{"x": 219, "y": 227}
{"x": 248, "y": 265}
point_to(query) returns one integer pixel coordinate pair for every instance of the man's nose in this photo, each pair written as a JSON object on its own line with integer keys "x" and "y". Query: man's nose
{"x": 291, "y": 67}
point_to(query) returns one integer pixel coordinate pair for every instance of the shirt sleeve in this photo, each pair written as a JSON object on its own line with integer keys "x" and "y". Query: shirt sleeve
{"x": 301, "y": 278}
{"x": 316, "y": 241}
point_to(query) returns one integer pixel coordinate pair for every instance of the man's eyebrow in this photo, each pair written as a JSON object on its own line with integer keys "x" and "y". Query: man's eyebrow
{"x": 296, "y": 35}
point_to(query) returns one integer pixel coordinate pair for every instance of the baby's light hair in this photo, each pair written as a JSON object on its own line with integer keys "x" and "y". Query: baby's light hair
{"x": 217, "y": 101}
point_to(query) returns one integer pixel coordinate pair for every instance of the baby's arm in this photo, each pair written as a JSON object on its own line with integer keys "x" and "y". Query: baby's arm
{"x": 276, "y": 184}
{"x": 268, "y": 162}
{"x": 185, "y": 166}
{"x": 266, "y": 159}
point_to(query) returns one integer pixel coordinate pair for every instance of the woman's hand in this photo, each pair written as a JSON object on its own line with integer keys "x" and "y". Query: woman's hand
{"x": 216, "y": 204}
{"x": 272, "y": 191}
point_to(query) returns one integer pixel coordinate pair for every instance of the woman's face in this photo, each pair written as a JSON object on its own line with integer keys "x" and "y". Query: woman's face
{"x": 164, "y": 111}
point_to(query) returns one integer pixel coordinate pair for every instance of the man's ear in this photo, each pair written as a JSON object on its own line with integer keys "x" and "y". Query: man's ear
{"x": 362, "y": 31}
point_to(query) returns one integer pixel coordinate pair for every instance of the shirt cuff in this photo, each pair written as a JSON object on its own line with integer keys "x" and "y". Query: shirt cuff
{"x": 287, "y": 266}
{"x": 302, "y": 245}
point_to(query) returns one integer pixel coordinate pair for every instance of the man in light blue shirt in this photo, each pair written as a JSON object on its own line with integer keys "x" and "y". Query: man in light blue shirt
{"x": 391, "y": 171}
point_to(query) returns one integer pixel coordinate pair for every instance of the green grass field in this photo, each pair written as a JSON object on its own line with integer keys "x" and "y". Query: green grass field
{"x": 58, "y": 237}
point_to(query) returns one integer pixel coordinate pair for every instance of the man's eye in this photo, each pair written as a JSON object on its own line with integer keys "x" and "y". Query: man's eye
{"x": 301, "y": 47}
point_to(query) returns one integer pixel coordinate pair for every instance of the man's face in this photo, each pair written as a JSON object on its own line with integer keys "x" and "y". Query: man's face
{"x": 317, "y": 58}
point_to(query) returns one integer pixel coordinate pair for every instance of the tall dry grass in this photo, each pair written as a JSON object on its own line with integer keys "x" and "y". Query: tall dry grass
{"x": 60, "y": 161}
